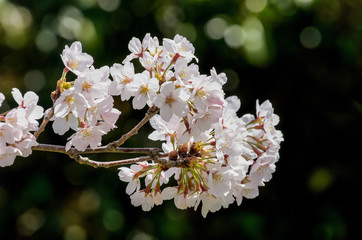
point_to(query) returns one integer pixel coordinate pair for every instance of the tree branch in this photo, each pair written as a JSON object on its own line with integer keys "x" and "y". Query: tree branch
{"x": 152, "y": 111}
{"x": 45, "y": 122}
{"x": 153, "y": 154}
{"x": 73, "y": 151}
{"x": 96, "y": 164}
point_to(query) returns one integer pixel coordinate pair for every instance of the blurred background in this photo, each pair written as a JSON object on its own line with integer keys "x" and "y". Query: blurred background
{"x": 305, "y": 56}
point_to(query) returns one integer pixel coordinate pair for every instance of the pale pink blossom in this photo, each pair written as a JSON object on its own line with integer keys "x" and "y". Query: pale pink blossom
{"x": 62, "y": 124}
{"x": 17, "y": 118}
{"x": 136, "y": 49}
{"x": 172, "y": 100}
{"x": 219, "y": 78}
{"x": 75, "y": 60}
{"x": 181, "y": 46}
{"x": 131, "y": 175}
{"x": 146, "y": 201}
{"x": 97, "y": 107}
{"x": 88, "y": 136}
{"x": 220, "y": 180}
{"x": 93, "y": 83}
{"x": 110, "y": 117}
{"x": 2, "y": 98}
{"x": 143, "y": 89}
{"x": 186, "y": 73}
{"x": 29, "y": 103}
{"x": 70, "y": 101}
{"x": 8, "y": 155}
{"x": 122, "y": 77}
{"x": 262, "y": 169}
{"x": 26, "y": 143}
{"x": 9, "y": 134}
{"x": 169, "y": 130}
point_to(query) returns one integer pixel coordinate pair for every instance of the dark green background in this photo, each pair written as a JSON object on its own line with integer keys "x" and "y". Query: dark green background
{"x": 314, "y": 194}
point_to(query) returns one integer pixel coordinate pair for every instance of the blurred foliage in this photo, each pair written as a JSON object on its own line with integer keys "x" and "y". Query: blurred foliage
{"x": 303, "y": 55}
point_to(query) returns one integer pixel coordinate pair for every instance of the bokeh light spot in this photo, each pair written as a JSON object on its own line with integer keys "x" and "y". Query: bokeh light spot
{"x": 320, "y": 180}
{"x": 285, "y": 7}
{"x": 109, "y": 5}
{"x": 30, "y": 221}
{"x": 233, "y": 80}
{"x": 171, "y": 15}
{"x": 187, "y": 30}
{"x": 113, "y": 220}
{"x": 310, "y": 37}
{"x": 255, "y": 6}
{"x": 34, "y": 80}
{"x": 46, "y": 40}
{"x": 255, "y": 46}
{"x": 234, "y": 36}
{"x": 15, "y": 22}
{"x": 303, "y": 3}
{"x": 69, "y": 22}
{"x": 87, "y": 3}
{"x": 215, "y": 28}
{"x": 142, "y": 236}
{"x": 75, "y": 232}
{"x": 87, "y": 34}
{"x": 89, "y": 201}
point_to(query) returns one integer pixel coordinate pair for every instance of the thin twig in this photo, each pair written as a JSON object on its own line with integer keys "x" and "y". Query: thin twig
{"x": 73, "y": 151}
{"x": 45, "y": 122}
{"x": 154, "y": 154}
{"x": 96, "y": 164}
{"x": 152, "y": 111}
{"x": 159, "y": 159}
{"x": 75, "y": 154}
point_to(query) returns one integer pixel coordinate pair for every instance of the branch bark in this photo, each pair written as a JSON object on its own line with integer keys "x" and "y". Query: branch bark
{"x": 113, "y": 147}
{"x": 154, "y": 154}
{"x": 152, "y": 111}
{"x": 73, "y": 151}
{"x": 44, "y": 123}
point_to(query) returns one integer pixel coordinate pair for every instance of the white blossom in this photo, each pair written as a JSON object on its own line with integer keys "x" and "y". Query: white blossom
{"x": 172, "y": 100}
{"x": 88, "y": 136}
{"x": 122, "y": 77}
{"x": 70, "y": 101}
{"x": 75, "y": 60}
{"x": 144, "y": 90}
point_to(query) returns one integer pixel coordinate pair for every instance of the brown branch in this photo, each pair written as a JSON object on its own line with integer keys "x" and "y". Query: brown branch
{"x": 152, "y": 111}
{"x": 96, "y": 164}
{"x": 153, "y": 154}
{"x": 45, "y": 122}
{"x": 73, "y": 151}
{"x": 75, "y": 154}
{"x": 159, "y": 159}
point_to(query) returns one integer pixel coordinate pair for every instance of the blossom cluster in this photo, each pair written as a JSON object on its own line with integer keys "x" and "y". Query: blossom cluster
{"x": 223, "y": 158}
{"x": 214, "y": 157}
{"x": 84, "y": 105}
{"x": 16, "y": 125}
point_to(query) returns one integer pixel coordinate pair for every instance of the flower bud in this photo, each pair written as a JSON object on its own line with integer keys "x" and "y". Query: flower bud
{"x": 172, "y": 156}
{"x": 182, "y": 150}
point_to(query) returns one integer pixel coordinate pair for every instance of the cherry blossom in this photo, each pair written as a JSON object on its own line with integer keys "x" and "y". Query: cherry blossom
{"x": 172, "y": 101}
{"x": 87, "y": 136}
{"x": 15, "y": 126}
{"x": 75, "y": 60}
{"x": 62, "y": 124}
{"x": 70, "y": 101}
{"x": 122, "y": 75}
{"x": 2, "y": 98}
{"x": 8, "y": 155}
{"x": 211, "y": 157}
{"x": 143, "y": 89}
